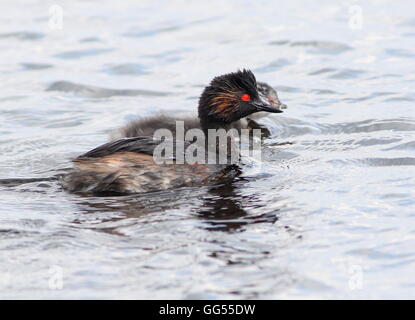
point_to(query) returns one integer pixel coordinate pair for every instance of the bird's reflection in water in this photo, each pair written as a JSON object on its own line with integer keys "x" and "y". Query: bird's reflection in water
{"x": 221, "y": 207}
{"x": 224, "y": 209}
{"x": 106, "y": 214}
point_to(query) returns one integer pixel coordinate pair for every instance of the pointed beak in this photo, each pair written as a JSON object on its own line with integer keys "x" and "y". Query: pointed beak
{"x": 276, "y": 103}
{"x": 263, "y": 106}
{"x": 282, "y": 106}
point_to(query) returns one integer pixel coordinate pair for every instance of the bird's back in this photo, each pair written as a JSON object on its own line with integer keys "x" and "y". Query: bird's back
{"x": 127, "y": 166}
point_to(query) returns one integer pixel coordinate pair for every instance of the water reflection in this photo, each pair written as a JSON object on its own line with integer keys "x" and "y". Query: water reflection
{"x": 221, "y": 207}
{"x": 107, "y": 214}
{"x": 224, "y": 209}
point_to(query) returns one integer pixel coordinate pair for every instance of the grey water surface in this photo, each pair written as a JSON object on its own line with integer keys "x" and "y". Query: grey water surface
{"x": 331, "y": 214}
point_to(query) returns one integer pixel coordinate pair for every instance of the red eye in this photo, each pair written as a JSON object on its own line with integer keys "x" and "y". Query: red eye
{"x": 246, "y": 97}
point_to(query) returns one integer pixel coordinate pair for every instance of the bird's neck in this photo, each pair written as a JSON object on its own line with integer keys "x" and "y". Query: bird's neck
{"x": 206, "y": 124}
{"x": 214, "y": 144}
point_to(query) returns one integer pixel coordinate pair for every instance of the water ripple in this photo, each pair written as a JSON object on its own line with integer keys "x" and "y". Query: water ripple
{"x": 23, "y": 35}
{"x": 318, "y": 47}
{"x": 82, "y": 53}
{"x": 127, "y": 69}
{"x": 99, "y": 92}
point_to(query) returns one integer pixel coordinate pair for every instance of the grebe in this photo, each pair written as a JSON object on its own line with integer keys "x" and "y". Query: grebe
{"x": 127, "y": 166}
{"x": 147, "y": 126}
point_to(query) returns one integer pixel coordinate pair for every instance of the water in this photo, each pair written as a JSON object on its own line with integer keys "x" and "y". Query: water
{"x": 330, "y": 215}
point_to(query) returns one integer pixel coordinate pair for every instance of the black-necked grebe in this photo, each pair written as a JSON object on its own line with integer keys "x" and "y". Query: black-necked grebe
{"x": 147, "y": 126}
{"x": 128, "y": 166}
